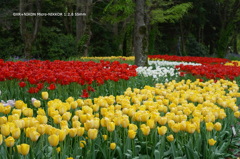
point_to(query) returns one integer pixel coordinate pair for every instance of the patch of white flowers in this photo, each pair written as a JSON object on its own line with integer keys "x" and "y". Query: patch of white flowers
{"x": 171, "y": 63}
{"x": 162, "y": 69}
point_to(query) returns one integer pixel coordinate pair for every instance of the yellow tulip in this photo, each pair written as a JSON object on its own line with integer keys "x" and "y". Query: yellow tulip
{"x": 117, "y": 121}
{"x": 145, "y": 130}
{"x": 72, "y": 132}
{"x": 176, "y": 128}
{"x": 144, "y": 117}
{"x": 74, "y": 105}
{"x": 209, "y": 126}
{"x": 103, "y": 111}
{"x": 125, "y": 123}
{"x": 75, "y": 118}
{"x": 7, "y": 109}
{"x": 34, "y": 135}
{"x": 24, "y": 149}
{"x": 105, "y": 137}
{"x": 70, "y": 100}
{"x": 191, "y": 128}
{"x": 42, "y": 119}
{"x": 41, "y": 129}
{"x": 76, "y": 124}
{"x": 151, "y": 123}
{"x": 5, "y": 130}
{"x": 3, "y": 120}
{"x": 237, "y": 114}
{"x": 112, "y": 146}
{"x": 19, "y": 148}
{"x": 1, "y": 108}
{"x": 9, "y": 141}
{"x": 19, "y": 104}
{"x": 53, "y": 140}
{"x": 95, "y": 107}
{"x": 82, "y": 143}
{"x": 162, "y": 130}
{"x": 37, "y": 103}
{"x": 170, "y": 138}
{"x": 92, "y": 133}
{"x": 62, "y": 135}
{"x": 211, "y": 142}
{"x": 58, "y": 149}
{"x": 111, "y": 126}
{"x": 62, "y": 109}
{"x": 132, "y": 127}
{"x": 44, "y": 95}
{"x": 131, "y": 134}
{"x": 16, "y": 132}
{"x": 47, "y": 129}
{"x": 222, "y": 115}
{"x": 57, "y": 119}
{"x": 41, "y": 111}
{"x": 218, "y": 126}
{"x": 28, "y": 112}
{"x": 1, "y": 139}
{"x": 67, "y": 116}
{"x": 17, "y": 111}
{"x": 83, "y": 118}
{"x": 80, "y": 131}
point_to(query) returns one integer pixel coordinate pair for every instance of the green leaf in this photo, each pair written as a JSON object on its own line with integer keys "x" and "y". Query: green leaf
{"x": 157, "y": 154}
{"x": 119, "y": 152}
{"x": 190, "y": 153}
{"x": 16, "y": 154}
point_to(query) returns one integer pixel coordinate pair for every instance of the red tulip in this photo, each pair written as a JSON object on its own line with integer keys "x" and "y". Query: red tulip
{"x": 22, "y": 84}
{"x": 51, "y": 86}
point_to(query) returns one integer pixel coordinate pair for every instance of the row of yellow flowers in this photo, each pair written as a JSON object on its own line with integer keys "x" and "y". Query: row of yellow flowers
{"x": 168, "y": 108}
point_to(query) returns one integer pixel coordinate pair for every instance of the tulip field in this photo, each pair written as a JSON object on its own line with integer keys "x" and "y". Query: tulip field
{"x": 107, "y": 107}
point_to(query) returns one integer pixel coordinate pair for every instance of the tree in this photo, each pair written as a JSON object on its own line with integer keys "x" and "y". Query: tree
{"x": 27, "y": 35}
{"x": 228, "y": 12}
{"x": 140, "y": 35}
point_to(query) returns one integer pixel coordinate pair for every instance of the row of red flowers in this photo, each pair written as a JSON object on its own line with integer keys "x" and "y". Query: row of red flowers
{"x": 211, "y": 71}
{"x": 202, "y": 60}
{"x": 64, "y": 72}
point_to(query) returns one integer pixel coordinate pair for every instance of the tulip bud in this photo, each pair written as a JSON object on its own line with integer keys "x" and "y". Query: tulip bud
{"x": 24, "y": 149}
{"x": 53, "y": 140}
{"x": 92, "y": 133}
{"x": 131, "y": 134}
{"x": 67, "y": 116}
{"x": 111, "y": 126}
{"x": 16, "y": 132}
{"x": 82, "y": 143}
{"x": 1, "y": 139}
{"x": 151, "y": 123}
{"x": 72, "y": 132}
{"x": 9, "y": 141}
{"x": 209, "y": 126}
{"x": 170, "y": 138}
{"x": 145, "y": 130}
{"x": 41, "y": 129}
{"x": 112, "y": 146}
{"x": 62, "y": 135}
{"x": 37, "y": 103}
{"x": 5, "y": 130}
{"x": 34, "y": 135}
{"x": 45, "y": 95}
{"x": 162, "y": 130}
{"x": 217, "y": 126}
{"x": 80, "y": 131}
{"x": 211, "y": 142}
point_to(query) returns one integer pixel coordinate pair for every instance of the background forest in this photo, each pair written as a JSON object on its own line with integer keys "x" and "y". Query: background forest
{"x": 198, "y": 27}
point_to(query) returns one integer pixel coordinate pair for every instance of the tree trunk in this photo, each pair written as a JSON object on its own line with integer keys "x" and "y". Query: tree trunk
{"x": 83, "y": 26}
{"x": 27, "y": 37}
{"x": 140, "y": 37}
{"x": 235, "y": 45}
{"x": 182, "y": 37}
